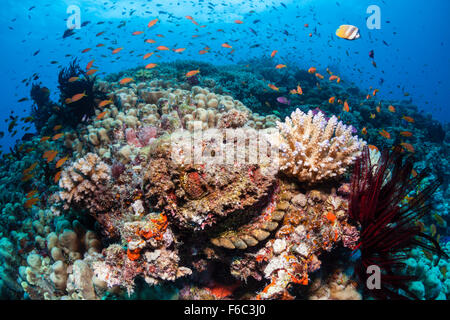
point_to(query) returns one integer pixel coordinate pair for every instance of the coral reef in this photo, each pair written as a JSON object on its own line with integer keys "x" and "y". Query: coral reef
{"x": 313, "y": 148}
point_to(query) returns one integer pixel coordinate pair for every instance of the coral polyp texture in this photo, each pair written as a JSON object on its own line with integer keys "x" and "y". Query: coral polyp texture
{"x": 314, "y": 148}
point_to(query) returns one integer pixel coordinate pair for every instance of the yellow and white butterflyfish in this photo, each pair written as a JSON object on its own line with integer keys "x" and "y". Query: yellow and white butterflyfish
{"x": 348, "y": 32}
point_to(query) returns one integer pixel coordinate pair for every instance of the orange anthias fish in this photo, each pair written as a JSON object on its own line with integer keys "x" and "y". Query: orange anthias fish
{"x": 136, "y": 33}
{"x": 150, "y": 41}
{"x": 91, "y": 72}
{"x": 192, "y": 73}
{"x": 57, "y": 136}
{"x": 89, "y": 65}
{"x": 29, "y": 169}
{"x": 126, "y": 80}
{"x": 148, "y": 55}
{"x": 61, "y": 161}
{"x": 312, "y": 70}
{"x": 57, "y": 176}
{"x": 407, "y": 146}
{"x": 226, "y": 45}
{"x": 104, "y": 103}
{"x": 318, "y": 75}
{"x": 385, "y": 134}
{"x": 117, "y": 50}
{"x": 73, "y": 79}
{"x": 31, "y": 194}
{"x": 364, "y": 131}
{"x": 57, "y": 127}
{"x": 271, "y": 86}
{"x": 150, "y": 66}
{"x": 202, "y": 52}
{"x": 391, "y": 108}
{"x": 375, "y": 92}
{"x": 50, "y": 155}
{"x": 378, "y": 109}
{"x": 86, "y": 50}
{"x": 30, "y": 203}
{"x": 408, "y": 119}
{"x": 162, "y": 48}
{"x": 274, "y": 52}
{"x": 406, "y": 133}
{"x": 299, "y": 90}
{"x": 333, "y": 77}
{"x": 101, "y": 115}
{"x": 346, "y": 106}
{"x": 280, "y": 66}
{"x": 331, "y": 100}
{"x": 179, "y": 50}
{"x": 152, "y": 23}
{"x": 78, "y": 97}
{"x": 45, "y": 138}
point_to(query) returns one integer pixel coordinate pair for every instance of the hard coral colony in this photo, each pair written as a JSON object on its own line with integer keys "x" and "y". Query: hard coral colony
{"x": 106, "y": 202}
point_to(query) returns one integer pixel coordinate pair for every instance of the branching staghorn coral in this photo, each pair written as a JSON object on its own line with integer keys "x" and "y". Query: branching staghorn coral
{"x": 313, "y": 148}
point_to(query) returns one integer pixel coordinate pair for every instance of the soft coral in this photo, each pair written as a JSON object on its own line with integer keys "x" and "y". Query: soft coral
{"x": 388, "y": 224}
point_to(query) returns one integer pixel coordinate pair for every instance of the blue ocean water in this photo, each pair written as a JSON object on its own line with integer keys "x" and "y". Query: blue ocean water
{"x": 411, "y": 47}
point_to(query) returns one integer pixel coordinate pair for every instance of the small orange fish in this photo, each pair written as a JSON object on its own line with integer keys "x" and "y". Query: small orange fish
{"x": 413, "y": 173}
{"x": 86, "y": 50}
{"x": 271, "y": 86}
{"x": 368, "y": 97}
{"x": 30, "y": 203}
{"x": 61, "y": 161}
{"x": 160, "y": 35}
{"x": 31, "y": 194}
{"x": 104, "y": 103}
{"x": 57, "y": 176}
{"x": 100, "y": 45}
{"x": 378, "y": 109}
{"x": 148, "y": 55}
{"x": 238, "y": 21}
{"x": 162, "y": 48}
{"x": 57, "y": 136}
{"x": 391, "y": 108}
{"x": 192, "y": 73}
{"x": 299, "y": 90}
{"x": 179, "y": 50}
{"x": 385, "y": 134}
{"x": 26, "y": 177}
{"x": 202, "y": 52}
{"x": 57, "y": 127}
{"x": 78, "y": 97}
{"x": 126, "y": 80}
{"x": 150, "y": 41}
{"x": 346, "y": 106}
{"x": 50, "y": 155}
{"x": 274, "y": 52}
{"x": 101, "y": 115}
{"x": 280, "y": 66}
{"x": 312, "y": 70}
{"x": 226, "y": 45}
{"x": 89, "y": 65}
{"x": 30, "y": 168}
{"x": 45, "y": 138}
{"x": 331, "y": 100}
{"x": 152, "y": 23}
{"x": 73, "y": 79}
{"x": 150, "y": 66}
{"x": 407, "y": 146}
{"x": 333, "y": 77}
{"x": 364, "y": 131}
{"x": 136, "y": 33}
{"x": 318, "y": 75}
{"x": 375, "y": 92}
{"x": 406, "y": 133}
{"x": 91, "y": 72}
{"x": 408, "y": 119}
{"x": 117, "y": 50}
{"x": 99, "y": 34}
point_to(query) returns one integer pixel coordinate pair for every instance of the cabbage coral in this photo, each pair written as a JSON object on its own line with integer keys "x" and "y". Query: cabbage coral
{"x": 313, "y": 148}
